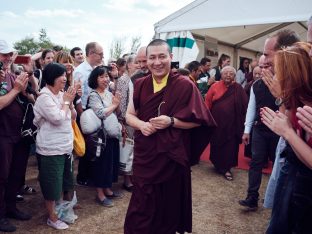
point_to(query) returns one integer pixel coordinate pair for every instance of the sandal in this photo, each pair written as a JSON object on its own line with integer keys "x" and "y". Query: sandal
{"x": 228, "y": 176}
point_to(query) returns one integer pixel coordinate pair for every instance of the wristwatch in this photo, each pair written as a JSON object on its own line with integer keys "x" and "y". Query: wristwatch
{"x": 278, "y": 101}
{"x": 171, "y": 121}
{"x": 67, "y": 103}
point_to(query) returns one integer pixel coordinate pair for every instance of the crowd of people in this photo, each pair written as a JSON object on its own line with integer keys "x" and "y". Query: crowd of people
{"x": 172, "y": 114}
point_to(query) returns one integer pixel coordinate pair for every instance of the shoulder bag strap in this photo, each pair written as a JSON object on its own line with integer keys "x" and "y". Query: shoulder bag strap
{"x": 102, "y": 123}
{"x": 40, "y": 78}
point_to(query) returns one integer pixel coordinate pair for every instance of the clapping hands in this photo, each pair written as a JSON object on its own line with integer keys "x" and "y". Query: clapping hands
{"x": 69, "y": 95}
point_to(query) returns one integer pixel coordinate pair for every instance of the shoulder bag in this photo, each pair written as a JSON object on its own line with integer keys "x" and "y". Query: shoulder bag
{"x": 79, "y": 142}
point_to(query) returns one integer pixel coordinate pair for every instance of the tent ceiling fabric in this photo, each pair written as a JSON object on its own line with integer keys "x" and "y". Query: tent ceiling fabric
{"x": 238, "y": 22}
{"x": 235, "y": 35}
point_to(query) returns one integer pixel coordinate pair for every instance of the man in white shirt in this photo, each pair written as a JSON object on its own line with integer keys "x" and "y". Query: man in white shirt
{"x": 94, "y": 57}
{"x": 264, "y": 141}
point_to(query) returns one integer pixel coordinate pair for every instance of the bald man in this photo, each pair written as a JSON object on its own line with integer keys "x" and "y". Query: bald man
{"x": 142, "y": 59}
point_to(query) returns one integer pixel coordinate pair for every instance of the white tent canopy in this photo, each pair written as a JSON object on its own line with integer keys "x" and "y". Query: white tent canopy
{"x": 240, "y": 24}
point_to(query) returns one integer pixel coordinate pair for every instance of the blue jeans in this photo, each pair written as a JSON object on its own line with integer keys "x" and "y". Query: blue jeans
{"x": 301, "y": 201}
{"x": 270, "y": 190}
{"x": 280, "y": 220}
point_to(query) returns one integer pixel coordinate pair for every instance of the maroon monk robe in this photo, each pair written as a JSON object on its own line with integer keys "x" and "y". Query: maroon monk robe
{"x": 161, "y": 198}
{"x": 229, "y": 112}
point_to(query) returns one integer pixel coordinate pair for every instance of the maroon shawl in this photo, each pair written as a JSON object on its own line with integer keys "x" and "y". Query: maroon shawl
{"x": 182, "y": 100}
{"x": 229, "y": 112}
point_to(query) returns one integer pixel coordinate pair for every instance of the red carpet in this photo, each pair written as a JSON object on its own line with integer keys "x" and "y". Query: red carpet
{"x": 243, "y": 162}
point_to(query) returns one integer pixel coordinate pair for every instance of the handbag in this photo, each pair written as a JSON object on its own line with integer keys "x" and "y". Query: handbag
{"x": 112, "y": 126}
{"x": 28, "y": 129}
{"x": 126, "y": 154}
{"x": 89, "y": 122}
{"x": 79, "y": 142}
{"x": 95, "y": 143}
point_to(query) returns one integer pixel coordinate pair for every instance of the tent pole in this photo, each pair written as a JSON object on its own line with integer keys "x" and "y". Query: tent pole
{"x": 235, "y": 58}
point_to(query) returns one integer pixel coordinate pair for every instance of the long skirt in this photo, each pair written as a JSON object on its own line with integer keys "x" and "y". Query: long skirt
{"x": 105, "y": 168}
{"x": 224, "y": 156}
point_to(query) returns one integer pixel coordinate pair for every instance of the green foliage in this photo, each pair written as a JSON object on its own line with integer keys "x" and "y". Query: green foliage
{"x": 44, "y": 40}
{"x": 29, "y": 45}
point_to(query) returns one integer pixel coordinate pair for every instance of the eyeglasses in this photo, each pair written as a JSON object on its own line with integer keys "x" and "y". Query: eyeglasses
{"x": 99, "y": 54}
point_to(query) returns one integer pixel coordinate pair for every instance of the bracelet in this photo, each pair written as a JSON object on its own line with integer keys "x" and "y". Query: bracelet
{"x": 67, "y": 103}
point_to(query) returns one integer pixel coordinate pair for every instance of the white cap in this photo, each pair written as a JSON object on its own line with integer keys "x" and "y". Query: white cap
{"x": 5, "y": 48}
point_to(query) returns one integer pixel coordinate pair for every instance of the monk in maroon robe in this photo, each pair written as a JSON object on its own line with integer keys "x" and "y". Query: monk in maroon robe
{"x": 227, "y": 101}
{"x": 173, "y": 128}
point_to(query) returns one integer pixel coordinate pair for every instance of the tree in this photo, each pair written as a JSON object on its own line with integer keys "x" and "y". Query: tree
{"x": 135, "y": 43}
{"x": 44, "y": 41}
{"x": 117, "y": 48}
{"x": 28, "y": 45}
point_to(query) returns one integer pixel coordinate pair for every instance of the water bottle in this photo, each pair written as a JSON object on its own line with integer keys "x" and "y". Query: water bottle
{"x": 98, "y": 148}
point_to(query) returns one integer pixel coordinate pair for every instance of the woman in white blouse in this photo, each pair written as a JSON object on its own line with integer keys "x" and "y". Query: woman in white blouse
{"x": 54, "y": 142}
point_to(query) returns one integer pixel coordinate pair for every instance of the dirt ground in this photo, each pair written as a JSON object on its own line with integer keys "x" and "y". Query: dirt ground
{"x": 215, "y": 206}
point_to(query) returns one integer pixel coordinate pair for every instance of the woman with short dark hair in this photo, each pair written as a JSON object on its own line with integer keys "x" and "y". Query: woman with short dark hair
{"x": 54, "y": 142}
{"x": 105, "y": 165}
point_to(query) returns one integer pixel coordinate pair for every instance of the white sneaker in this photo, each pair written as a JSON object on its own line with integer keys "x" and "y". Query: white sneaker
{"x": 59, "y": 225}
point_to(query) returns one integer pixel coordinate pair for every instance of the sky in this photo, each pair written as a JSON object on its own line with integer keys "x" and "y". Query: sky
{"x": 74, "y": 23}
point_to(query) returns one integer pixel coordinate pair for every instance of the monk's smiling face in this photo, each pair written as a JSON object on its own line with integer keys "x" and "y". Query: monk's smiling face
{"x": 159, "y": 60}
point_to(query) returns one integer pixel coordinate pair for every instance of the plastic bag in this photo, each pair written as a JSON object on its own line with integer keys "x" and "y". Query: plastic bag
{"x": 126, "y": 155}
{"x": 65, "y": 210}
